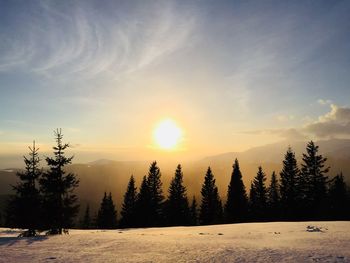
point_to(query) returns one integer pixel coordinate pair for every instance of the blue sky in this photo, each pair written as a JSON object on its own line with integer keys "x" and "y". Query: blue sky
{"x": 233, "y": 74}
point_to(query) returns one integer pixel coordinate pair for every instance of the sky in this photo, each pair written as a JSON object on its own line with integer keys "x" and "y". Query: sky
{"x": 231, "y": 74}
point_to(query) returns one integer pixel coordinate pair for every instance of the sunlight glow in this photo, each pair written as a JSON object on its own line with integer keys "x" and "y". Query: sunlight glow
{"x": 167, "y": 134}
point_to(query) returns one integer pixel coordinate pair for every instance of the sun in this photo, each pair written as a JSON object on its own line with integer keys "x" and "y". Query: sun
{"x": 167, "y": 134}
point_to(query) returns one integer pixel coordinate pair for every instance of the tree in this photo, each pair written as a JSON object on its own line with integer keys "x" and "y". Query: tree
{"x": 258, "y": 198}
{"x": 273, "y": 197}
{"x": 338, "y": 198}
{"x": 156, "y": 195}
{"x": 107, "y": 214}
{"x": 210, "y": 209}
{"x": 86, "y": 222}
{"x": 143, "y": 205}
{"x": 57, "y": 186}
{"x": 24, "y": 208}
{"x": 128, "y": 212}
{"x": 236, "y": 206}
{"x": 314, "y": 180}
{"x": 177, "y": 210}
{"x": 290, "y": 189}
{"x": 194, "y": 212}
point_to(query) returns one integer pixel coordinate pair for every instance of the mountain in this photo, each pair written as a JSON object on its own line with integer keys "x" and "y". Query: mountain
{"x": 107, "y": 175}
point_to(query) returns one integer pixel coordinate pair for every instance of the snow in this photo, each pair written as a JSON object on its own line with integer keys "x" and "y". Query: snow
{"x": 251, "y": 242}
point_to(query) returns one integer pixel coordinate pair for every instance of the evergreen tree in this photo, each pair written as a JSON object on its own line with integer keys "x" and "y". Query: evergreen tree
{"x": 210, "y": 209}
{"x": 177, "y": 210}
{"x": 194, "y": 212}
{"x": 143, "y": 205}
{"x": 156, "y": 195}
{"x": 128, "y": 212}
{"x": 290, "y": 185}
{"x": 86, "y": 222}
{"x": 107, "y": 214}
{"x": 236, "y": 206}
{"x": 57, "y": 186}
{"x": 338, "y": 198}
{"x": 259, "y": 196}
{"x": 314, "y": 180}
{"x": 273, "y": 197}
{"x": 24, "y": 208}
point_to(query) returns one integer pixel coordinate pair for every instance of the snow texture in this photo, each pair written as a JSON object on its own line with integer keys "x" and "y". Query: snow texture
{"x": 251, "y": 242}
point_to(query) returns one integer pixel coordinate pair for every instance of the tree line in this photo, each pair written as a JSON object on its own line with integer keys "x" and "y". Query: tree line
{"x": 300, "y": 193}
{"x": 45, "y": 200}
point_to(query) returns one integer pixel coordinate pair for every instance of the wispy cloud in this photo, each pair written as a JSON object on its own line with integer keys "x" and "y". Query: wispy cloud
{"x": 78, "y": 39}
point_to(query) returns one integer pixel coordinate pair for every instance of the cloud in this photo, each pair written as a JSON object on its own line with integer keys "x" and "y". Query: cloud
{"x": 324, "y": 102}
{"x": 333, "y": 124}
{"x": 59, "y": 39}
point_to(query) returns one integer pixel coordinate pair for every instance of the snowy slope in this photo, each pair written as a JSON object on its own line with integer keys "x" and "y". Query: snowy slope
{"x": 254, "y": 242}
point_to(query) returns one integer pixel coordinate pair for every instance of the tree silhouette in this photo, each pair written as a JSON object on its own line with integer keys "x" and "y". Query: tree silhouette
{"x": 258, "y": 196}
{"x": 236, "y": 206}
{"x": 210, "y": 209}
{"x": 314, "y": 180}
{"x": 156, "y": 195}
{"x": 24, "y": 209}
{"x": 290, "y": 189}
{"x": 338, "y": 198}
{"x": 177, "y": 210}
{"x": 194, "y": 212}
{"x": 57, "y": 186}
{"x": 273, "y": 198}
{"x": 143, "y": 205}
{"x": 128, "y": 211}
{"x": 107, "y": 214}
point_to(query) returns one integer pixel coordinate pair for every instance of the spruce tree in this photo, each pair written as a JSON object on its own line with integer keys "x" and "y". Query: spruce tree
{"x": 314, "y": 180}
{"x": 210, "y": 209}
{"x": 128, "y": 212}
{"x": 290, "y": 189}
{"x": 236, "y": 206}
{"x": 273, "y": 197}
{"x": 24, "y": 208}
{"x": 338, "y": 198}
{"x": 259, "y": 196}
{"x": 156, "y": 195}
{"x": 107, "y": 214}
{"x": 194, "y": 212}
{"x": 143, "y": 205}
{"x": 177, "y": 210}
{"x": 57, "y": 186}
{"x": 86, "y": 222}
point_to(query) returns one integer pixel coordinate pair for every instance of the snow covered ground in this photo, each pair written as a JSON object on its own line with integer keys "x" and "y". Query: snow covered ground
{"x": 254, "y": 242}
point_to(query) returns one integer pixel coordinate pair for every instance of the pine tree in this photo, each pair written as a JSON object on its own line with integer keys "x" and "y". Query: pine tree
{"x": 210, "y": 209}
{"x": 24, "y": 208}
{"x": 314, "y": 180}
{"x": 273, "y": 197}
{"x": 86, "y": 222}
{"x": 236, "y": 206}
{"x": 194, "y": 212}
{"x": 57, "y": 186}
{"x": 290, "y": 189}
{"x": 128, "y": 212}
{"x": 107, "y": 214}
{"x": 156, "y": 195}
{"x": 143, "y": 205}
{"x": 338, "y": 198}
{"x": 259, "y": 196}
{"x": 177, "y": 210}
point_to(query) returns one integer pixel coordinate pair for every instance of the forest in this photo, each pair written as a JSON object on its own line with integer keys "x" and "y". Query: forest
{"x": 44, "y": 199}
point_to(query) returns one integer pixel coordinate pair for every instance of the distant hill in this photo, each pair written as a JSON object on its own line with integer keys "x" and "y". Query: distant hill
{"x": 107, "y": 175}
